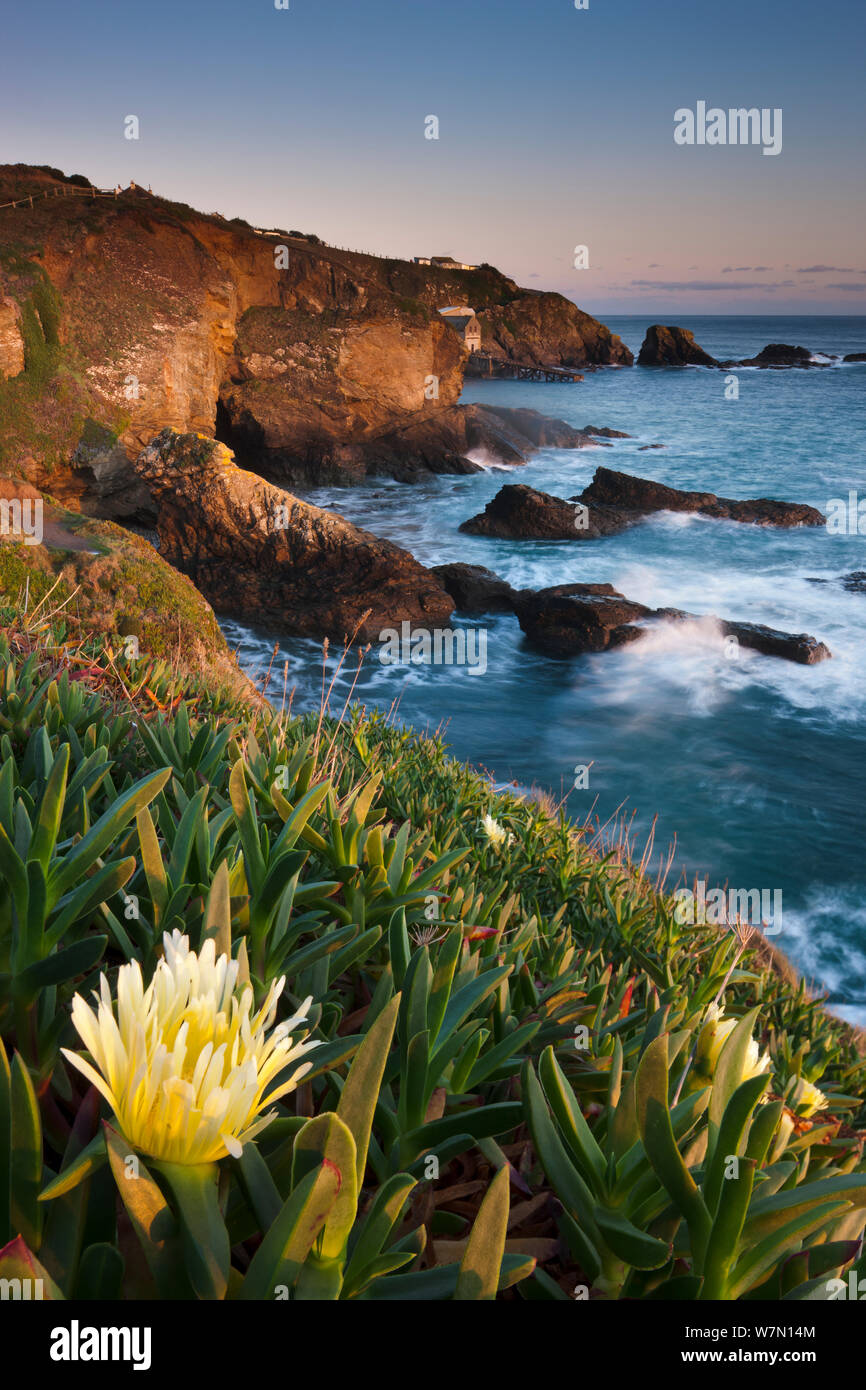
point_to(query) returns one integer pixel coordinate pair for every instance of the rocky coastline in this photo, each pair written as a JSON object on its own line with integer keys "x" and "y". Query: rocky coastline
{"x": 215, "y": 366}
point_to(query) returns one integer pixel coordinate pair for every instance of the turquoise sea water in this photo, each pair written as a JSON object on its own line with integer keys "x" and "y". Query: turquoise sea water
{"x": 756, "y": 765}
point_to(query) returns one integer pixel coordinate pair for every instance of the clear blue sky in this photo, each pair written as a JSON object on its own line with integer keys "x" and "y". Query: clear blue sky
{"x": 556, "y": 130}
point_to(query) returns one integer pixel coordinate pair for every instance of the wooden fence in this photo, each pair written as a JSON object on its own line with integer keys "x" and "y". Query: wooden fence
{"x": 64, "y": 191}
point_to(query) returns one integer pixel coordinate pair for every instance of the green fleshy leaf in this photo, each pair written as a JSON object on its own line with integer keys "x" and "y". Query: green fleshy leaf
{"x": 478, "y": 1278}
{"x": 281, "y": 1255}
{"x": 152, "y": 1219}
{"x": 100, "y": 1274}
{"x": 26, "y": 1166}
{"x": 360, "y": 1093}
{"x": 326, "y": 1139}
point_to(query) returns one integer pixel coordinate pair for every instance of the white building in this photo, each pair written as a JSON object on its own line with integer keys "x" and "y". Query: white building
{"x": 443, "y": 262}
{"x": 464, "y": 321}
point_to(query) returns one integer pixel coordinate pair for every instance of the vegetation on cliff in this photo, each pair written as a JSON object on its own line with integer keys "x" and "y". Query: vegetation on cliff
{"x": 102, "y": 583}
{"x": 527, "y": 1075}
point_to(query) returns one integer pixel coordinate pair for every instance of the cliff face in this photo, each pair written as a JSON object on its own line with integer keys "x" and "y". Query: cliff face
{"x": 548, "y": 330}
{"x": 303, "y": 387}
{"x": 11, "y": 340}
{"x": 256, "y": 550}
{"x": 529, "y": 327}
{"x": 122, "y": 316}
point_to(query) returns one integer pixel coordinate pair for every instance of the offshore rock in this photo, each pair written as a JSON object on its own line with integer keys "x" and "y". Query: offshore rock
{"x": 570, "y": 619}
{"x": 518, "y": 512}
{"x": 668, "y": 346}
{"x": 639, "y": 496}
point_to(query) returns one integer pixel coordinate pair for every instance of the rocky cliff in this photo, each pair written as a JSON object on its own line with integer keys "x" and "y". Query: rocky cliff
{"x": 255, "y": 550}
{"x": 541, "y": 329}
{"x": 305, "y": 392}
{"x": 11, "y": 338}
{"x": 122, "y": 316}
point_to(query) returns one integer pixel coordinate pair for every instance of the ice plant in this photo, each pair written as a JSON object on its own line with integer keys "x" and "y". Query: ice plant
{"x": 713, "y": 1035}
{"x": 806, "y": 1099}
{"x": 186, "y": 1065}
{"x": 495, "y": 833}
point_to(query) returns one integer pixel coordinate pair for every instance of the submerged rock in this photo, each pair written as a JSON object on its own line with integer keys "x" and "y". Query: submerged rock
{"x": 780, "y": 355}
{"x": 855, "y": 582}
{"x": 570, "y": 619}
{"x": 777, "y": 355}
{"x": 257, "y": 551}
{"x": 665, "y": 345}
{"x": 606, "y": 433}
{"x": 799, "y": 646}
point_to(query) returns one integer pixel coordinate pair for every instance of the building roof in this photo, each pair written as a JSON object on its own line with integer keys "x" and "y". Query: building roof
{"x": 447, "y": 262}
{"x": 461, "y": 320}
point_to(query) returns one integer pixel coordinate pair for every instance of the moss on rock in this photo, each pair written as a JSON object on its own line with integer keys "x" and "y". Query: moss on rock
{"x": 111, "y": 582}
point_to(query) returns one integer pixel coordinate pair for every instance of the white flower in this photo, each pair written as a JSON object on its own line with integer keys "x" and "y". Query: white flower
{"x": 805, "y": 1098}
{"x": 715, "y": 1031}
{"x": 185, "y": 1066}
{"x": 496, "y": 833}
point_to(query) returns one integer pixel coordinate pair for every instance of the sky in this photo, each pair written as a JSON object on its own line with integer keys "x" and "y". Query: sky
{"x": 555, "y": 131}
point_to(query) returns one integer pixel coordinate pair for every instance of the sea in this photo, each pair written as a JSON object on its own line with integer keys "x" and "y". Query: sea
{"x": 752, "y": 769}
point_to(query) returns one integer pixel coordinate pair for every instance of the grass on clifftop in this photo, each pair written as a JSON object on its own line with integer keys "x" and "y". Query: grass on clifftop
{"x": 528, "y": 1078}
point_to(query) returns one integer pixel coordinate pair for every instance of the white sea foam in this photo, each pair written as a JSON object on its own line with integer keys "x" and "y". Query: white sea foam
{"x": 489, "y": 462}
{"x": 826, "y": 939}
